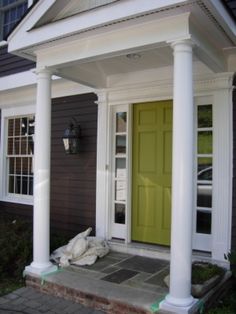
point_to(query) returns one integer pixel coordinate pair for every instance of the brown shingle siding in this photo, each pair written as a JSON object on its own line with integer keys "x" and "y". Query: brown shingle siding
{"x": 10, "y": 64}
{"x": 73, "y": 177}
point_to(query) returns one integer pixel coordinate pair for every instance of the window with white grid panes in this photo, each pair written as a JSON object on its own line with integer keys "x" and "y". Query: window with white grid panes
{"x": 120, "y": 167}
{"x": 11, "y": 12}
{"x": 120, "y": 146}
{"x": 19, "y": 157}
{"x": 204, "y": 169}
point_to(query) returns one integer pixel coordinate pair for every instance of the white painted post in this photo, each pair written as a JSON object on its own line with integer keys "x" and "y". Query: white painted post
{"x": 179, "y": 299}
{"x": 42, "y": 149}
{"x": 102, "y": 215}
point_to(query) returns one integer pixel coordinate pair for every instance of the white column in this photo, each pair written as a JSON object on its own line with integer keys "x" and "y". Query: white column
{"x": 42, "y": 149}
{"x": 179, "y": 299}
{"x": 102, "y": 215}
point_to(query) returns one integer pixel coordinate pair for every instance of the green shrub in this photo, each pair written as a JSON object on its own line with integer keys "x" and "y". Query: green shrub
{"x": 58, "y": 240}
{"x": 15, "y": 247}
{"x": 231, "y": 257}
{"x": 202, "y": 272}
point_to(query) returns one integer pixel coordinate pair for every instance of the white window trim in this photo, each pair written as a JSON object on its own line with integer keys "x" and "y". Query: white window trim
{"x": 6, "y": 114}
{"x": 202, "y": 241}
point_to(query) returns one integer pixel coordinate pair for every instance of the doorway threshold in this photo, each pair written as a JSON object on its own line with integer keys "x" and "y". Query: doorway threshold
{"x": 152, "y": 250}
{"x": 140, "y": 249}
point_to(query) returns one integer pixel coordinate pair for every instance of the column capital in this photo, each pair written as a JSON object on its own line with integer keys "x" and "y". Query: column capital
{"x": 102, "y": 97}
{"x": 43, "y": 71}
{"x": 182, "y": 44}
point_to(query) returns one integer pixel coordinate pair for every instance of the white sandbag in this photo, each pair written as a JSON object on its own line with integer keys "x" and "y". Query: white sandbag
{"x": 86, "y": 260}
{"x": 81, "y": 250}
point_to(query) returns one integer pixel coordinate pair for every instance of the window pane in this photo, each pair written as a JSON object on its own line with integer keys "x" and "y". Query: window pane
{"x": 205, "y": 142}
{"x": 11, "y": 166}
{"x": 10, "y": 127}
{"x": 10, "y": 146}
{"x": 120, "y": 187}
{"x": 205, "y": 116}
{"x": 24, "y": 126}
{"x": 120, "y": 144}
{"x": 16, "y": 150}
{"x": 18, "y": 184}
{"x": 31, "y": 125}
{"x": 11, "y": 184}
{"x": 120, "y": 167}
{"x": 121, "y": 118}
{"x": 204, "y": 195}
{"x": 12, "y": 14}
{"x": 30, "y": 145}
{"x": 18, "y": 166}
{"x": 204, "y": 169}
{"x": 17, "y": 127}
{"x": 120, "y": 213}
{"x": 203, "y": 222}
{"x": 24, "y": 185}
{"x": 24, "y": 143}
{"x": 25, "y": 166}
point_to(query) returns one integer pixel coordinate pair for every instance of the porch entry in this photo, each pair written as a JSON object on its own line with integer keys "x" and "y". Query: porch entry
{"x": 151, "y": 173}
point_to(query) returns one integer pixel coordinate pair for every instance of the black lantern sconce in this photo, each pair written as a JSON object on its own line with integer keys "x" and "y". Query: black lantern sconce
{"x": 71, "y": 138}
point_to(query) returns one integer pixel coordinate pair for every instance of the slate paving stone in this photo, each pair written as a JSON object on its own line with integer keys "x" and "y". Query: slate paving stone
{"x": 101, "y": 264}
{"x": 119, "y": 256}
{"x": 110, "y": 269}
{"x": 120, "y": 276}
{"x": 158, "y": 279}
{"x": 143, "y": 264}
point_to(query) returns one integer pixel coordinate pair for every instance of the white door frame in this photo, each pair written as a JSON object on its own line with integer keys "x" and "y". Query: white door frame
{"x": 219, "y": 89}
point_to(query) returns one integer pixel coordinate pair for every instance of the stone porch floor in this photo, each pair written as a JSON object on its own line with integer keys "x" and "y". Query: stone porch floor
{"x": 117, "y": 283}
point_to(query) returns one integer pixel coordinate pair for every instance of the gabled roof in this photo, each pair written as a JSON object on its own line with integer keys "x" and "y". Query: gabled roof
{"x": 79, "y": 31}
{"x": 60, "y": 10}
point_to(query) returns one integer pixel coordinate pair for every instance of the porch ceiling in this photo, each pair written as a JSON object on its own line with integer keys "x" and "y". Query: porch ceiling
{"x": 97, "y": 73}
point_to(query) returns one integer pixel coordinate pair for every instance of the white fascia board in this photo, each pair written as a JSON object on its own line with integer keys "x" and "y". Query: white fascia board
{"x": 29, "y": 21}
{"x": 224, "y": 18}
{"x": 92, "y": 19}
{"x": 17, "y": 80}
{"x": 132, "y": 38}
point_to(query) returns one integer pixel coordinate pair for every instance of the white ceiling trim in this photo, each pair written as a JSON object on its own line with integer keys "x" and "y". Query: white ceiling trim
{"x": 143, "y": 36}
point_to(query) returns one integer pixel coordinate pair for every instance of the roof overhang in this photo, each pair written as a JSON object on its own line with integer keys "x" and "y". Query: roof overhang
{"x": 66, "y": 46}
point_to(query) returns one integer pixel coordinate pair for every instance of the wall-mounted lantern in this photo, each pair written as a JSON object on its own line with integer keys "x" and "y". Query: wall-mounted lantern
{"x": 71, "y": 138}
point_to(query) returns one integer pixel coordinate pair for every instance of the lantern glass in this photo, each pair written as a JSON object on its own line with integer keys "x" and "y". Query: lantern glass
{"x": 71, "y": 139}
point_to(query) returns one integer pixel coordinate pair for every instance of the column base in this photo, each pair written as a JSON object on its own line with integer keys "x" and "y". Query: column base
{"x": 180, "y": 309}
{"x": 39, "y": 269}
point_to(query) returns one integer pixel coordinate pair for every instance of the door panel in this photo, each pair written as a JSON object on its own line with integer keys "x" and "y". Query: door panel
{"x": 152, "y": 142}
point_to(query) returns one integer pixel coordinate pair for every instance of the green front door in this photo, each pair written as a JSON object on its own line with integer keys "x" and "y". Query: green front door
{"x": 151, "y": 183}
